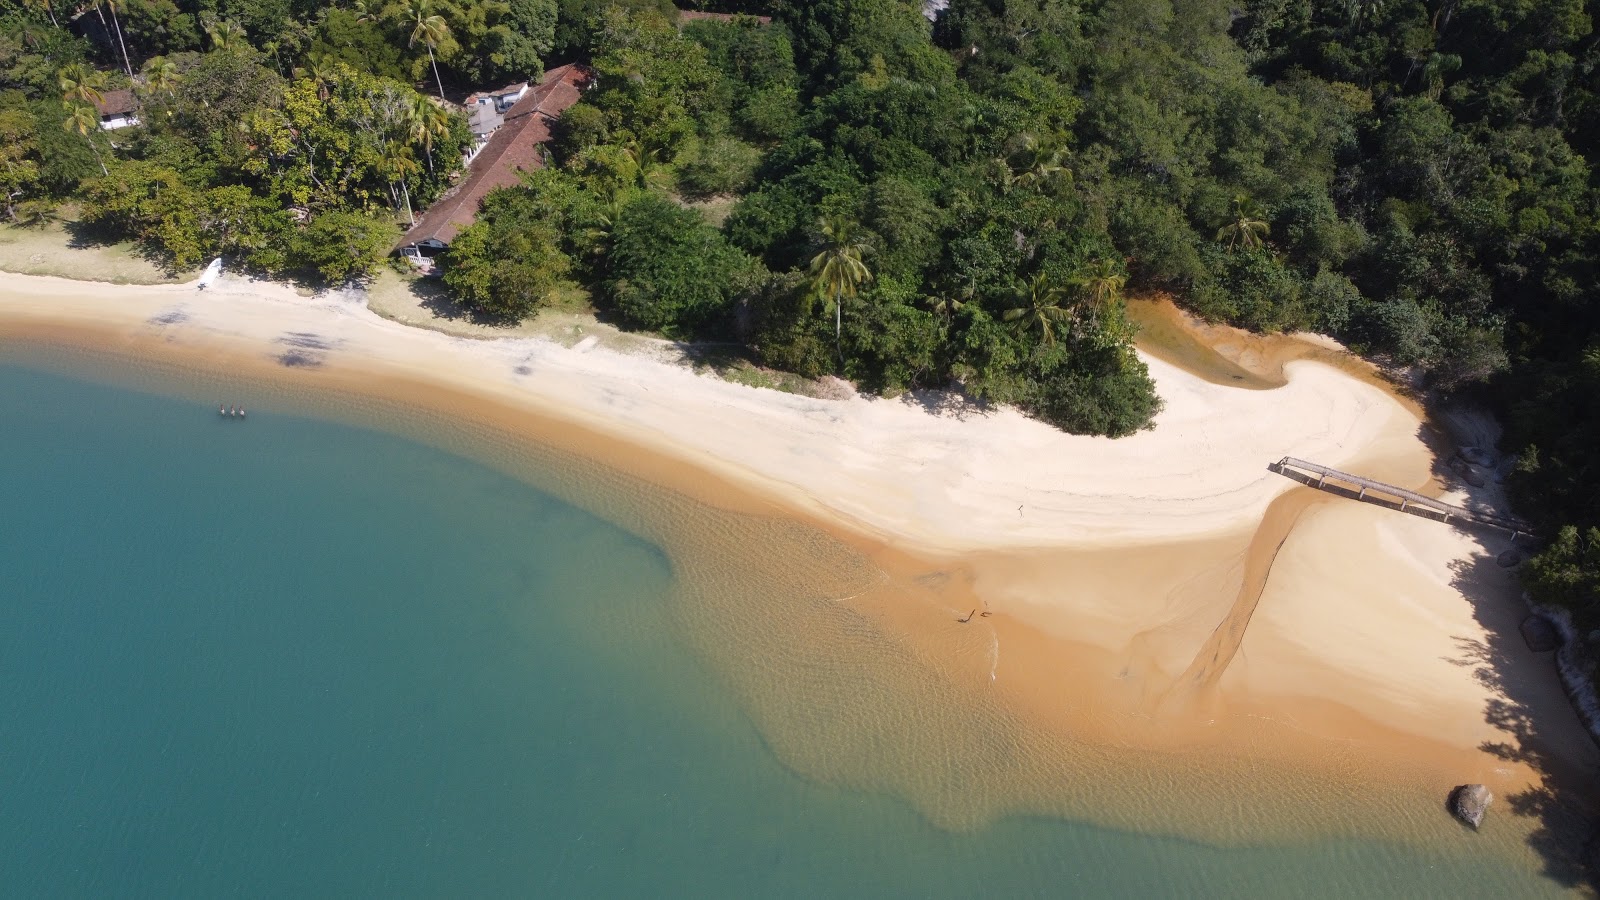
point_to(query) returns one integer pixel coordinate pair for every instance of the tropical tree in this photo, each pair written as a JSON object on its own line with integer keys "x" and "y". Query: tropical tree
{"x": 1042, "y": 161}
{"x": 116, "y": 24}
{"x": 399, "y": 164}
{"x": 320, "y": 70}
{"x": 82, "y": 84}
{"x": 226, "y": 33}
{"x": 1037, "y": 307}
{"x": 82, "y": 118}
{"x": 837, "y": 271}
{"x": 1247, "y": 228}
{"x": 947, "y": 304}
{"x": 1102, "y": 281}
{"x": 47, "y": 6}
{"x": 427, "y": 122}
{"x": 430, "y": 29}
{"x": 644, "y": 164}
{"x": 161, "y": 75}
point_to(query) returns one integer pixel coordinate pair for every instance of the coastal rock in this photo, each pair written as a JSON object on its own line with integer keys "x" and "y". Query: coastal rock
{"x": 1540, "y": 635}
{"x": 1469, "y": 802}
{"x": 1508, "y": 558}
{"x": 1478, "y": 456}
{"x": 1473, "y": 478}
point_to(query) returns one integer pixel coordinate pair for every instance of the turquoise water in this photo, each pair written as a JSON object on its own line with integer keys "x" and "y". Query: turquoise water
{"x": 289, "y": 657}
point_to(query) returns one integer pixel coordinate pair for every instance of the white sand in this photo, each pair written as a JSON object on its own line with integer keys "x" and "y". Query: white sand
{"x": 1360, "y": 609}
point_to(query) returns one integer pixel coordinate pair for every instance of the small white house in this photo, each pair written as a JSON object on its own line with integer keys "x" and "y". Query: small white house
{"x": 118, "y": 109}
{"x": 499, "y": 100}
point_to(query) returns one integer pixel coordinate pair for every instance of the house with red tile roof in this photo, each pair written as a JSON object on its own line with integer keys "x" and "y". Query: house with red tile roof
{"x": 516, "y": 146}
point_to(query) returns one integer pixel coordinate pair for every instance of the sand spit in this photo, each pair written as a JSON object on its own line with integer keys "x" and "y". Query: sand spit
{"x": 1165, "y": 591}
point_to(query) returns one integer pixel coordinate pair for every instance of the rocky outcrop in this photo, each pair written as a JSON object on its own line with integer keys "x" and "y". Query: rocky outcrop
{"x": 1573, "y": 662}
{"x": 1509, "y": 558}
{"x": 1540, "y": 634}
{"x": 1469, "y": 803}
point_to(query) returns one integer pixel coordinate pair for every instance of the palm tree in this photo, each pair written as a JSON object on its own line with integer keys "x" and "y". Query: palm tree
{"x": 48, "y": 6}
{"x": 1102, "y": 280}
{"x": 365, "y": 12}
{"x": 947, "y": 304}
{"x": 643, "y": 164}
{"x": 84, "y": 120}
{"x": 1038, "y": 307}
{"x": 161, "y": 75}
{"x": 1360, "y": 11}
{"x": 116, "y": 24}
{"x": 401, "y": 165}
{"x": 82, "y": 84}
{"x": 1042, "y": 162}
{"x": 224, "y": 34}
{"x": 1247, "y": 227}
{"x": 427, "y": 122}
{"x": 319, "y": 69}
{"x": 837, "y": 271}
{"x": 431, "y": 29}
{"x": 598, "y": 233}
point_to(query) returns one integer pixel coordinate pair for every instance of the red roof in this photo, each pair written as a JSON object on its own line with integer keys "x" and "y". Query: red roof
{"x": 690, "y": 15}
{"x": 517, "y": 146}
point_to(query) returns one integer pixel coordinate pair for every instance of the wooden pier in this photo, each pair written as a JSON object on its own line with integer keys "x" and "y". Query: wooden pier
{"x": 1397, "y": 498}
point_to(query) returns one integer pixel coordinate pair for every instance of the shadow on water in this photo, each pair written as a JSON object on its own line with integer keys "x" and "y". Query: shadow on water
{"x": 1534, "y": 723}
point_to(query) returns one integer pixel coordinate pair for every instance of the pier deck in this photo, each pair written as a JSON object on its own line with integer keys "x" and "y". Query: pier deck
{"x": 1398, "y": 498}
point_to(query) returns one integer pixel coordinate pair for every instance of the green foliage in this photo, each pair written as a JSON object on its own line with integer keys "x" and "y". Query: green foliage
{"x": 669, "y": 270}
{"x": 720, "y": 165}
{"x": 509, "y": 262}
{"x": 1567, "y": 572}
{"x": 20, "y": 171}
{"x": 651, "y": 80}
{"x": 342, "y": 244}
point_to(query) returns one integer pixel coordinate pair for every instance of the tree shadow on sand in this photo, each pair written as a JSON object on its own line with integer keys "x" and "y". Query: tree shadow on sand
{"x": 1538, "y": 725}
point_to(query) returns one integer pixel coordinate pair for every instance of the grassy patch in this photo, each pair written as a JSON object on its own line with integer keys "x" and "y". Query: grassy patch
{"x": 54, "y": 250}
{"x": 735, "y": 368}
{"x": 715, "y": 209}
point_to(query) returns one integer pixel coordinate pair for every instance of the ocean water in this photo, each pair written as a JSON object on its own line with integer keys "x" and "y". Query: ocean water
{"x": 289, "y": 657}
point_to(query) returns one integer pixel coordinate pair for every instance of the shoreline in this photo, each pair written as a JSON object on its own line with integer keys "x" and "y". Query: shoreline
{"x": 1134, "y": 552}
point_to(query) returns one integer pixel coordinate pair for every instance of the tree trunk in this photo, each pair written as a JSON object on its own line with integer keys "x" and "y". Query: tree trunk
{"x": 52, "y": 8}
{"x": 435, "y": 63}
{"x": 406, "y": 193}
{"x": 116, "y": 23}
{"x": 838, "y": 329}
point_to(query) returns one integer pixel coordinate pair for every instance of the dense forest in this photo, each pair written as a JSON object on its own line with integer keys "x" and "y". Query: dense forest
{"x": 854, "y": 189}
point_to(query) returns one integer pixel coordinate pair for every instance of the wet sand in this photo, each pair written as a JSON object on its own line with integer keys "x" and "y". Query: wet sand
{"x": 1166, "y": 620}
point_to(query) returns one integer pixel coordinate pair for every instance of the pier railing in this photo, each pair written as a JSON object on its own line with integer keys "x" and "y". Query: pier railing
{"x": 1370, "y": 491}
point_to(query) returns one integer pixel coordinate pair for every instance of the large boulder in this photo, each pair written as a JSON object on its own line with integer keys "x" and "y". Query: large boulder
{"x": 1478, "y": 456}
{"x": 1540, "y": 634}
{"x": 1469, "y": 802}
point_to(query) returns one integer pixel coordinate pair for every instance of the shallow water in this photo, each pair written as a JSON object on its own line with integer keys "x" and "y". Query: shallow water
{"x": 287, "y": 656}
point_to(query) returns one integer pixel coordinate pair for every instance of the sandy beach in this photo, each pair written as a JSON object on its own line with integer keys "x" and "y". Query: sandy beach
{"x": 1206, "y": 593}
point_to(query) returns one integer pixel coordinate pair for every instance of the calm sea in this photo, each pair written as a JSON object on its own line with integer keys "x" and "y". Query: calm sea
{"x": 291, "y": 657}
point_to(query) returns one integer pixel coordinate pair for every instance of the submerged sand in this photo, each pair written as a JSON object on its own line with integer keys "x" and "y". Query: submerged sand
{"x": 1161, "y": 608}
